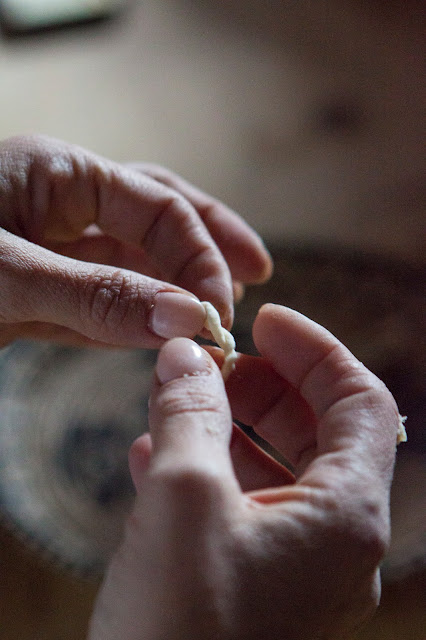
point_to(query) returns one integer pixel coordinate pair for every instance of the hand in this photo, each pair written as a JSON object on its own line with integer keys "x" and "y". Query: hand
{"x": 207, "y": 556}
{"x": 94, "y": 251}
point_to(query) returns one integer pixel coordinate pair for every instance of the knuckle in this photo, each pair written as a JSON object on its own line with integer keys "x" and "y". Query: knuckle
{"x": 356, "y": 522}
{"x": 38, "y": 152}
{"x": 180, "y": 210}
{"x": 41, "y": 168}
{"x": 28, "y": 142}
{"x": 382, "y": 405}
{"x": 365, "y": 531}
{"x": 175, "y": 220}
{"x": 192, "y": 487}
{"x": 157, "y": 171}
{"x": 371, "y": 537}
{"x": 106, "y": 300}
{"x": 386, "y": 398}
{"x": 184, "y": 398}
{"x": 186, "y": 402}
{"x": 379, "y": 393}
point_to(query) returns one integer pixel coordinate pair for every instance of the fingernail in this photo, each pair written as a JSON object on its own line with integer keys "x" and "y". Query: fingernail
{"x": 181, "y": 357}
{"x": 176, "y": 314}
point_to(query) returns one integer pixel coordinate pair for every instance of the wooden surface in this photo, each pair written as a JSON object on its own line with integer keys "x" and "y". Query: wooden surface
{"x": 40, "y": 603}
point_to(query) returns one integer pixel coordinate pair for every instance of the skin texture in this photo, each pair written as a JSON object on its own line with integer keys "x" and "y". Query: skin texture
{"x": 222, "y": 544}
{"x": 86, "y": 244}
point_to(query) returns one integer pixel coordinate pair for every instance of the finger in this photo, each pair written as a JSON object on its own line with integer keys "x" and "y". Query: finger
{"x": 190, "y": 420}
{"x": 254, "y": 469}
{"x": 243, "y": 249}
{"x": 105, "y": 250}
{"x": 239, "y": 291}
{"x": 61, "y": 189}
{"x": 262, "y": 399}
{"x": 104, "y": 304}
{"x": 357, "y": 419}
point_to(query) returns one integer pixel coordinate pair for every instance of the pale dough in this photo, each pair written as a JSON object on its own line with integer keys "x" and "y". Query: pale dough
{"x": 401, "y": 435}
{"x": 224, "y": 339}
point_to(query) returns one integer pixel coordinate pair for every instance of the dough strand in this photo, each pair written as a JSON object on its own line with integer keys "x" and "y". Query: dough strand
{"x": 222, "y": 336}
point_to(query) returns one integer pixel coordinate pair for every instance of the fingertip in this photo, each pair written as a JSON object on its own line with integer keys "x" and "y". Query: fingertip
{"x": 253, "y": 263}
{"x": 267, "y": 313}
{"x": 270, "y": 309}
{"x": 238, "y": 291}
{"x": 291, "y": 341}
{"x": 182, "y": 357}
{"x": 176, "y": 314}
{"x": 266, "y": 266}
{"x": 273, "y": 318}
{"x": 225, "y": 309}
{"x": 189, "y": 414}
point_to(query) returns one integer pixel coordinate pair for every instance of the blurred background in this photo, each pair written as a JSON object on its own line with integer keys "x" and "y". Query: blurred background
{"x": 306, "y": 117}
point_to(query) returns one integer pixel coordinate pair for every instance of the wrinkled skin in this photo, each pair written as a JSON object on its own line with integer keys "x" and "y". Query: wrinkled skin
{"x": 86, "y": 244}
{"x": 222, "y": 544}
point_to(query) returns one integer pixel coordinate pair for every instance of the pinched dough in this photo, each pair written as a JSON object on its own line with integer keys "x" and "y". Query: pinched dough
{"x": 224, "y": 339}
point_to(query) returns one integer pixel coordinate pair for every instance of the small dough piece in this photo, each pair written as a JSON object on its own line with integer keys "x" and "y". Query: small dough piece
{"x": 224, "y": 339}
{"x": 401, "y": 435}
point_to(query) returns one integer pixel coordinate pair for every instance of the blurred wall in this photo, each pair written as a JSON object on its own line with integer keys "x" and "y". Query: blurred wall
{"x": 306, "y": 117}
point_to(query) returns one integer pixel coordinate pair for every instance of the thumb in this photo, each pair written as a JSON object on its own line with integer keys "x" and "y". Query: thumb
{"x": 103, "y": 303}
{"x": 190, "y": 417}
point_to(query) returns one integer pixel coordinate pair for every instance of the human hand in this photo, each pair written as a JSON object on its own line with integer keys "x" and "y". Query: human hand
{"x": 207, "y": 556}
{"x": 94, "y": 251}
